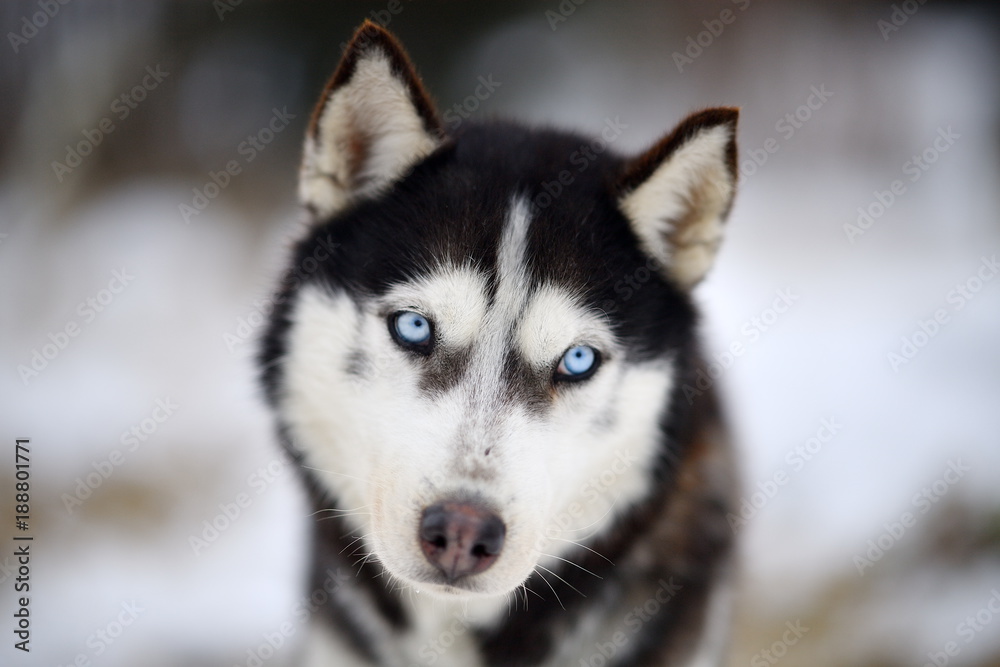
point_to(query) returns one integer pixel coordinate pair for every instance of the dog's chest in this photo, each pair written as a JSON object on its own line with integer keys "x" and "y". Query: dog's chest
{"x": 444, "y": 633}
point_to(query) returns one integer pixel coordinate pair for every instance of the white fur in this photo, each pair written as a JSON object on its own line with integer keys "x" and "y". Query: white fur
{"x": 693, "y": 186}
{"x": 323, "y": 649}
{"x": 373, "y": 107}
{"x": 443, "y": 632}
{"x": 441, "y": 635}
{"x": 388, "y": 449}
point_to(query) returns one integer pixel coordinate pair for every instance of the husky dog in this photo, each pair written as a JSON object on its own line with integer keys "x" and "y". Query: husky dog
{"x": 484, "y": 361}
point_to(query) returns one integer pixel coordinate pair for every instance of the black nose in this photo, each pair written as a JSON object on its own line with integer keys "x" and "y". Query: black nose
{"x": 460, "y": 538}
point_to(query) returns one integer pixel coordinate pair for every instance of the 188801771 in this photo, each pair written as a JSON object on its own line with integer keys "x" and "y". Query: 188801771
{"x": 22, "y": 546}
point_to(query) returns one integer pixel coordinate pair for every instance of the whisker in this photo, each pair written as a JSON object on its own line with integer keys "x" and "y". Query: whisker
{"x": 584, "y": 546}
{"x": 542, "y": 577}
{"x": 561, "y": 579}
{"x": 565, "y": 560}
{"x": 528, "y": 590}
{"x": 343, "y": 516}
{"x": 354, "y": 541}
{"x": 350, "y": 544}
{"x": 364, "y": 562}
{"x": 332, "y": 472}
{"x": 595, "y": 521}
{"x": 335, "y": 509}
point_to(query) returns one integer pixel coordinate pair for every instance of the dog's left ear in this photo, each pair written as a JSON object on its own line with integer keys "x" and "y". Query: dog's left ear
{"x": 677, "y": 194}
{"x": 372, "y": 124}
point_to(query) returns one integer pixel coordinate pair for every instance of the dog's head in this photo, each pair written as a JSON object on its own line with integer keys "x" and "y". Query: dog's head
{"x": 477, "y": 342}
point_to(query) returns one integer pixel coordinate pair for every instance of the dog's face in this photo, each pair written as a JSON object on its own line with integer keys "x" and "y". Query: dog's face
{"x": 475, "y": 373}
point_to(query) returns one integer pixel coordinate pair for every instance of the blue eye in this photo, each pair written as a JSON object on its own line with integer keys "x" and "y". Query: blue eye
{"x": 411, "y": 329}
{"x": 578, "y": 363}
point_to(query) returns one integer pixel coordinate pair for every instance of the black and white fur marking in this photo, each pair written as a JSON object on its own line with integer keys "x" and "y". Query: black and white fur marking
{"x": 467, "y": 483}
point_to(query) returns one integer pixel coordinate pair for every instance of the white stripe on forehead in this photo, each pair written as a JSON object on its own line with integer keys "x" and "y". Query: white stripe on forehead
{"x": 545, "y": 320}
{"x": 512, "y": 272}
{"x": 485, "y": 372}
{"x": 512, "y": 290}
{"x": 538, "y": 321}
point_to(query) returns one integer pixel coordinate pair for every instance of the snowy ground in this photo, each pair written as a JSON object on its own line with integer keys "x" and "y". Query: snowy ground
{"x": 820, "y": 370}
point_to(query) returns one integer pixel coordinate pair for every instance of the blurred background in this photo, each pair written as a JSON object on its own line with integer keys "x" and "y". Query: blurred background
{"x": 148, "y": 153}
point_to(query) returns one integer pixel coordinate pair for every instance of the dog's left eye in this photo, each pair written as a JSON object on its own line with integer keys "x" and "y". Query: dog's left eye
{"x": 411, "y": 330}
{"x": 579, "y": 363}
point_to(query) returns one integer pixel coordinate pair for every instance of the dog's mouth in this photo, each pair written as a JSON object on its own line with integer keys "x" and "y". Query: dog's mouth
{"x": 438, "y": 586}
{"x": 430, "y": 581}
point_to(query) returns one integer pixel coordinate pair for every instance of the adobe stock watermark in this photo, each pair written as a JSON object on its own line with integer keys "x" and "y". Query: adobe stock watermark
{"x": 697, "y": 44}
{"x": 631, "y": 283}
{"x": 121, "y": 108}
{"x": 786, "y": 127}
{"x": 302, "y": 611}
{"x": 455, "y": 115}
{"x": 900, "y": 14}
{"x": 223, "y": 7}
{"x": 752, "y": 330}
{"x": 59, "y": 340}
{"x": 631, "y": 623}
{"x": 246, "y": 325}
{"x": 101, "y": 640}
{"x": 247, "y": 150}
{"x": 913, "y": 169}
{"x": 968, "y": 629}
{"x": 796, "y": 459}
{"x": 562, "y": 12}
{"x": 922, "y": 502}
{"x": 231, "y": 512}
{"x": 30, "y": 26}
{"x": 459, "y": 112}
{"x": 771, "y": 655}
{"x": 131, "y": 440}
{"x": 582, "y": 158}
{"x": 249, "y": 323}
{"x": 959, "y": 296}
{"x": 593, "y": 491}
{"x": 383, "y": 17}
{"x": 433, "y": 649}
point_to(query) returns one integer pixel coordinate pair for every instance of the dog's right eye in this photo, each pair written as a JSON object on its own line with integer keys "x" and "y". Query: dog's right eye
{"x": 412, "y": 331}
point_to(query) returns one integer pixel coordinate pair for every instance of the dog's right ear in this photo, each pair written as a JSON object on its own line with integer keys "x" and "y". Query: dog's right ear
{"x": 372, "y": 124}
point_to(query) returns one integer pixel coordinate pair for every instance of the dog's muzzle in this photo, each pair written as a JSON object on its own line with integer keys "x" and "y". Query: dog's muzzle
{"x": 460, "y": 538}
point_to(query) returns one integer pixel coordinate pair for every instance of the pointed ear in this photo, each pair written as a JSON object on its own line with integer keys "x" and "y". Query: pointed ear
{"x": 373, "y": 122}
{"x": 677, "y": 195}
